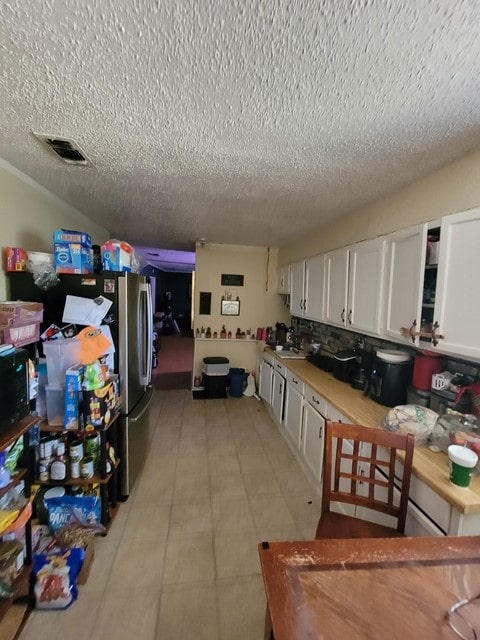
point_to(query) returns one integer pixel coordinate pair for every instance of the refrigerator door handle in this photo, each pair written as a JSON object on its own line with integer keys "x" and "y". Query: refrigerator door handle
{"x": 142, "y": 407}
{"x": 145, "y": 319}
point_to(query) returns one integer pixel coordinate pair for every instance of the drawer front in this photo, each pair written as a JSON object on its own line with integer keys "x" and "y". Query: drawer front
{"x": 295, "y": 382}
{"x": 316, "y": 400}
{"x": 280, "y": 368}
{"x": 430, "y": 502}
{"x": 334, "y": 414}
{"x": 268, "y": 357}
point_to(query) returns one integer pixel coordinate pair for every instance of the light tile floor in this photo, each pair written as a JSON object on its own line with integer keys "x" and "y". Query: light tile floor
{"x": 180, "y": 561}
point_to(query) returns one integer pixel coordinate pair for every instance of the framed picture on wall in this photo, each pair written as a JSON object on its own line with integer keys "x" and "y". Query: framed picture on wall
{"x": 230, "y": 307}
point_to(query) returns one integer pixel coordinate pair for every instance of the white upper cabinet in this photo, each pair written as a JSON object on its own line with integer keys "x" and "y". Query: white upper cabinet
{"x": 366, "y": 285}
{"x": 405, "y": 271}
{"x": 307, "y": 288}
{"x": 336, "y": 286}
{"x": 283, "y": 284}
{"x": 354, "y": 286}
{"x": 314, "y": 287}
{"x": 297, "y": 288}
{"x": 457, "y": 303}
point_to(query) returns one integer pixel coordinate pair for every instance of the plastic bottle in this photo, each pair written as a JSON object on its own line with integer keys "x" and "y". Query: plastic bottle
{"x": 4, "y": 472}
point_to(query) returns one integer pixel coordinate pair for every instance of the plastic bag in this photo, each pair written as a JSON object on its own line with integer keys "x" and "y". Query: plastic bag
{"x": 83, "y": 511}
{"x": 55, "y": 576}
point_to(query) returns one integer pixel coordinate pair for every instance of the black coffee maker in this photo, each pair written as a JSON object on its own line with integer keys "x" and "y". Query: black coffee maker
{"x": 389, "y": 377}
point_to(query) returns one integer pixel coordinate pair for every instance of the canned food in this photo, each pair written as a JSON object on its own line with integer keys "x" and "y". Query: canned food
{"x": 45, "y": 447}
{"x": 74, "y": 468}
{"x": 92, "y": 445}
{"x": 86, "y": 467}
{"x": 43, "y": 469}
{"x": 76, "y": 450}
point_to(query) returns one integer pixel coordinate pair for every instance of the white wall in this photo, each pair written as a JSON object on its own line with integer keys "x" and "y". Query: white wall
{"x": 453, "y": 188}
{"x": 29, "y": 214}
{"x": 260, "y": 304}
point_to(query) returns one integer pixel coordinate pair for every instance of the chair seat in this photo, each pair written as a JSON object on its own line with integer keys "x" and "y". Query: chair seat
{"x": 339, "y": 525}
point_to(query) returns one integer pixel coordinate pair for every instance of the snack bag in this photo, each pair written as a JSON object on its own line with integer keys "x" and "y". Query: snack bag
{"x": 55, "y": 576}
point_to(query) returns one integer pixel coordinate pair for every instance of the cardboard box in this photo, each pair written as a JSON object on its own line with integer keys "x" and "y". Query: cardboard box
{"x": 116, "y": 256}
{"x": 100, "y": 405}
{"x": 72, "y": 257}
{"x": 69, "y": 235}
{"x": 73, "y": 416}
{"x": 87, "y": 563}
{"x": 16, "y": 259}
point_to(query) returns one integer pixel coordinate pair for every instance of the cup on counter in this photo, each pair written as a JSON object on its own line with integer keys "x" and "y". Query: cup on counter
{"x": 462, "y": 463}
{"x": 279, "y": 347}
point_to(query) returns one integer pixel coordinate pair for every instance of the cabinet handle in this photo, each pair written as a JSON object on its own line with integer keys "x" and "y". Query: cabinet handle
{"x": 435, "y": 337}
{"x": 350, "y": 317}
{"x": 294, "y": 381}
{"x": 320, "y": 432}
{"x": 342, "y": 315}
{"x": 316, "y": 401}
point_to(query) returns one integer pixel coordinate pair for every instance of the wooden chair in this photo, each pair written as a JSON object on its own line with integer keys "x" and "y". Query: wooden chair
{"x": 352, "y": 477}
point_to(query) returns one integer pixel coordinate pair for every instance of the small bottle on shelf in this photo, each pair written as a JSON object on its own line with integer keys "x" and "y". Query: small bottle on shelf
{"x": 59, "y": 466}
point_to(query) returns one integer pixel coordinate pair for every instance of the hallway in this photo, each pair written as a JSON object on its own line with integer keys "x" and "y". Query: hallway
{"x": 180, "y": 561}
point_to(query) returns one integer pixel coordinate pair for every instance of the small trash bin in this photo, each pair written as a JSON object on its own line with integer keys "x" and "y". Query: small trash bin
{"x": 215, "y": 376}
{"x": 237, "y": 382}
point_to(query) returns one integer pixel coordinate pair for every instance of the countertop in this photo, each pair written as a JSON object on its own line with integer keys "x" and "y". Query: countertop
{"x": 432, "y": 468}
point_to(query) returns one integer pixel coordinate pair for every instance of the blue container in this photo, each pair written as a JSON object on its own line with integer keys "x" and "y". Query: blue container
{"x": 237, "y": 382}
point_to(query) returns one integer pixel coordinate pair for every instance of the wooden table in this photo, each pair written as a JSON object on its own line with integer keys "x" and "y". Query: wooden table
{"x": 367, "y": 588}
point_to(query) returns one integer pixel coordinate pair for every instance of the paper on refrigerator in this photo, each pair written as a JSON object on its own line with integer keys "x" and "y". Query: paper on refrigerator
{"x": 85, "y": 311}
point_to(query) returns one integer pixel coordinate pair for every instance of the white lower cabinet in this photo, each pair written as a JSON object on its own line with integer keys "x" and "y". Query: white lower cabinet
{"x": 294, "y": 410}
{"x": 265, "y": 381}
{"x": 313, "y": 433}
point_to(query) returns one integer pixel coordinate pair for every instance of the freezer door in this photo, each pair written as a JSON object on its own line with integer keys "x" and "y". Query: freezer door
{"x": 135, "y": 329}
{"x": 134, "y": 442}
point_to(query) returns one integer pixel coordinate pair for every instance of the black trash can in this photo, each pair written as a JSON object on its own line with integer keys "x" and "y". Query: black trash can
{"x": 237, "y": 382}
{"x": 215, "y": 376}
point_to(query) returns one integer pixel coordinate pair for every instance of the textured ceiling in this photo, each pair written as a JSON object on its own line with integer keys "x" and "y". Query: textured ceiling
{"x": 238, "y": 121}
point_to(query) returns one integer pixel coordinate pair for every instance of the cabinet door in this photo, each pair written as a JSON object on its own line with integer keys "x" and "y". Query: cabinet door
{"x": 265, "y": 382}
{"x": 336, "y": 286}
{"x": 405, "y": 265}
{"x": 457, "y": 304}
{"x": 365, "y": 286}
{"x": 278, "y": 396}
{"x": 283, "y": 285}
{"x": 313, "y": 438}
{"x": 314, "y": 287}
{"x": 297, "y": 287}
{"x": 294, "y": 412}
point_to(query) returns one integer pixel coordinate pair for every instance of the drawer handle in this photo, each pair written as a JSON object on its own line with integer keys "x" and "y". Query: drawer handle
{"x": 315, "y": 400}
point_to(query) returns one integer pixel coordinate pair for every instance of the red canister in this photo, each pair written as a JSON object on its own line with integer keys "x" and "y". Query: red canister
{"x": 425, "y": 365}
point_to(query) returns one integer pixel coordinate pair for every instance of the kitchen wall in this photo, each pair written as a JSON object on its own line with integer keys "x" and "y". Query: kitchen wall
{"x": 29, "y": 214}
{"x": 260, "y": 304}
{"x": 453, "y": 188}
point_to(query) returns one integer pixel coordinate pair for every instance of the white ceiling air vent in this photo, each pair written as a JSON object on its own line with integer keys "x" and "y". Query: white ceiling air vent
{"x": 66, "y": 149}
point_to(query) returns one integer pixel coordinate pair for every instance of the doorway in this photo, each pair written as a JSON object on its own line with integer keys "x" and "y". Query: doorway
{"x": 174, "y": 343}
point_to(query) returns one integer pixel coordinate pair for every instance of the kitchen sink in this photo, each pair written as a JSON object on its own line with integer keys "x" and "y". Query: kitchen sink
{"x": 290, "y": 355}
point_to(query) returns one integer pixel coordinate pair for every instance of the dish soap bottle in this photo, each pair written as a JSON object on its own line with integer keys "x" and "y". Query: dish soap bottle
{"x": 4, "y": 472}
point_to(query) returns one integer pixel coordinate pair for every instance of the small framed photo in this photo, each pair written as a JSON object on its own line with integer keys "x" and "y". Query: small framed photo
{"x": 230, "y": 307}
